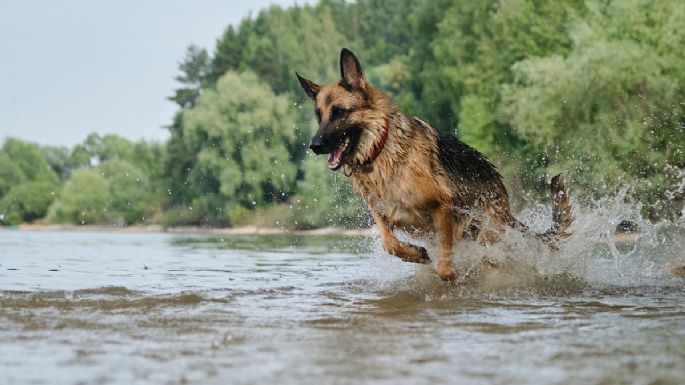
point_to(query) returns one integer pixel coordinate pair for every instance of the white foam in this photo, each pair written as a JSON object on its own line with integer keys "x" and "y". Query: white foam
{"x": 592, "y": 257}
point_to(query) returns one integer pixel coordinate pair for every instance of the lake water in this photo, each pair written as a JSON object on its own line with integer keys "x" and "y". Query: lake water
{"x": 125, "y": 308}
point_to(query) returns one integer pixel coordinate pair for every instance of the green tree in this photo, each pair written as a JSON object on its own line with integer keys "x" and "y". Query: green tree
{"x": 247, "y": 144}
{"x": 277, "y": 43}
{"x": 326, "y": 199}
{"x": 96, "y": 148}
{"x": 10, "y": 174}
{"x": 195, "y": 70}
{"x": 29, "y": 158}
{"x": 83, "y": 199}
{"x": 613, "y": 106}
{"x": 27, "y": 202}
{"x": 130, "y": 194}
{"x": 59, "y": 159}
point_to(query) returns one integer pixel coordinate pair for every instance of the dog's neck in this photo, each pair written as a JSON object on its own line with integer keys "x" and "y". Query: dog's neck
{"x": 387, "y": 130}
{"x": 378, "y": 147}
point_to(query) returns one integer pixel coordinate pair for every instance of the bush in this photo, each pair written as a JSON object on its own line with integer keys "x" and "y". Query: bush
{"x": 83, "y": 199}
{"x": 10, "y": 174}
{"x": 27, "y": 202}
{"x": 130, "y": 193}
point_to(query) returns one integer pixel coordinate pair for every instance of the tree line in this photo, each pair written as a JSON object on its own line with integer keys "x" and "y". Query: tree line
{"x": 590, "y": 88}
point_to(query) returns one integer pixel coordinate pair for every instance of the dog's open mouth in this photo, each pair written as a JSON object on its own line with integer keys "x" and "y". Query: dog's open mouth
{"x": 337, "y": 157}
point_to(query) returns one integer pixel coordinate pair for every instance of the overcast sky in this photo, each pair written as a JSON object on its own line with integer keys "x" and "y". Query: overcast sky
{"x": 70, "y": 67}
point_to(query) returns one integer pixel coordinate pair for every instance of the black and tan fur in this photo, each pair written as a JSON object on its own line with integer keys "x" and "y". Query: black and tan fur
{"x": 416, "y": 179}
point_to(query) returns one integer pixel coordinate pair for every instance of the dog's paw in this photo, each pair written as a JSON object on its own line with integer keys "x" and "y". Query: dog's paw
{"x": 409, "y": 253}
{"x": 420, "y": 255}
{"x": 446, "y": 270}
{"x": 423, "y": 254}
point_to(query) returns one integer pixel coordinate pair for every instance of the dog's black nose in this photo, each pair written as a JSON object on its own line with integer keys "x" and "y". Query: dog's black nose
{"x": 316, "y": 145}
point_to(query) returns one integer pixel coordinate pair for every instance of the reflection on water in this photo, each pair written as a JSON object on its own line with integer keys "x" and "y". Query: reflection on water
{"x": 160, "y": 308}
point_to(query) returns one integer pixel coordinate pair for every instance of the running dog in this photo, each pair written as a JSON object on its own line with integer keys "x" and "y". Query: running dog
{"x": 412, "y": 177}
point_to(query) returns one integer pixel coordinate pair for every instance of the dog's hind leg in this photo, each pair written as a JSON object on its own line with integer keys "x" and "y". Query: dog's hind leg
{"x": 404, "y": 251}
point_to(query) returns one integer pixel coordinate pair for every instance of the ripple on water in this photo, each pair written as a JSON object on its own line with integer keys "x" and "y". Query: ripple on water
{"x": 168, "y": 309}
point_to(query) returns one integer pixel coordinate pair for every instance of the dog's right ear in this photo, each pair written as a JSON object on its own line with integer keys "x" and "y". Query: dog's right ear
{"x": 309, "y": 87}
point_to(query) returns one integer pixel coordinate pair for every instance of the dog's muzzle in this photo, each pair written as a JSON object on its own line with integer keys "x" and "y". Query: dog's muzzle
{"x": 317, "y": 145}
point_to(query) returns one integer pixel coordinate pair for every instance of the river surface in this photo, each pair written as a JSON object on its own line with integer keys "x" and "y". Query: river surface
{"x": 126, "y": 308}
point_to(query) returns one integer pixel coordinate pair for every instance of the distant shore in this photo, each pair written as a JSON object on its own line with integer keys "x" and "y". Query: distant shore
{"x": 620, "y": 237}
{"x": 239, "y": 230}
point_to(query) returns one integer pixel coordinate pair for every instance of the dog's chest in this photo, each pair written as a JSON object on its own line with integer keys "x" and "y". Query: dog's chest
{"x": 404, "y": 196}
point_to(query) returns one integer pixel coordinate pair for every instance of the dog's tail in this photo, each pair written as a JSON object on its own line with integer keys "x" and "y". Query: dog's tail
{"x": 562, "y": 211}
{"x": 562, "y": 215}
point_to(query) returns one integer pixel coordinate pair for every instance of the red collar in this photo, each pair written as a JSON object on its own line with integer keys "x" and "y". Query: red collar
{"x": 381, "y": 143}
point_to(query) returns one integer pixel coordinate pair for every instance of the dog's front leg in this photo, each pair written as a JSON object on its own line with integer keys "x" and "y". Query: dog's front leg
{"x": 443, "y": 220}
{"x": 405, "y": 251}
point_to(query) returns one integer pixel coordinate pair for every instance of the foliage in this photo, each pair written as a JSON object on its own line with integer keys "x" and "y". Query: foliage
{"x": 29, "y": 159}
{"x": 195, "y": 69}
{"x": 278, "y": 42}
{"x": 130, "y": 194}
{"x": 612, "y": 107}
{"x": 592, "y": 88}
{"x": 245, "y": 144}
{"x": 115, "y": 192}
{"x": 26, "y": 202}
{"x": 83, "y": 199}
{"x": 10, "y": 173}
{"x": 27, "y": 182}
{"x": 326, "y": 199}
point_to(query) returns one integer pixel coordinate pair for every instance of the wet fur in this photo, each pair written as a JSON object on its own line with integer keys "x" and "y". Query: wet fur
{"x": 421, "y": 182}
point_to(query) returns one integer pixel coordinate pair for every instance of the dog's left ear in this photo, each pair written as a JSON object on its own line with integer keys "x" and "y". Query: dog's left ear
{"x": 351, "y": 70}
{"x": 309, "y": 87}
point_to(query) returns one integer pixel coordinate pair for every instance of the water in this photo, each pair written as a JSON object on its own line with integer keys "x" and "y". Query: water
{"x": 124, "y": 308}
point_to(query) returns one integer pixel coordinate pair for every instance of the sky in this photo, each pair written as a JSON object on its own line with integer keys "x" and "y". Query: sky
{"x": 71, "y": 67}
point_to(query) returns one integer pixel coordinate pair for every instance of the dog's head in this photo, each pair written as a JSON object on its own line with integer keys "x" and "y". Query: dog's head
{"x": 343, "y": 110}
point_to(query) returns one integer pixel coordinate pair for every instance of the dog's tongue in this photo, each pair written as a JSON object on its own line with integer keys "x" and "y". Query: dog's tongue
{"x": 335, "y": 156}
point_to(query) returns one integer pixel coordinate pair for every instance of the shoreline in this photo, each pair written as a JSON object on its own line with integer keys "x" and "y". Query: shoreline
{"x": 619, "y": 237}
{"x": 239, "y": 230}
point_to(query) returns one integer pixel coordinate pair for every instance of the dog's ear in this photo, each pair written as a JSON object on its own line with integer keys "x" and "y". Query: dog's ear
{"x": 351, "y": 70}
{"x": 309, "y": 87}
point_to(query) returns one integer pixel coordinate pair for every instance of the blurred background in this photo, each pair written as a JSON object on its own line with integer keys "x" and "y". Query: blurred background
{"x": 179, "y": 113}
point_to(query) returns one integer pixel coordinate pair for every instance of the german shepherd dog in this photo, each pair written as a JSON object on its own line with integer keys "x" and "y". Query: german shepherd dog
{"x": 412, "y": 177}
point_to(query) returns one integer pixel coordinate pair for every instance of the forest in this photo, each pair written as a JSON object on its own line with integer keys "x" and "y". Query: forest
{"x": 591, "y": 88}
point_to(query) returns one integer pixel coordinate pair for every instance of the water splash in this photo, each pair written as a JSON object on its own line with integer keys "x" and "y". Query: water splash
{"x": 594, "y": 257}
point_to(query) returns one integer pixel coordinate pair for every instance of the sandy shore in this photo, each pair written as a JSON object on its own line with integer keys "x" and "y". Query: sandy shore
{"x": 241, "y": 230}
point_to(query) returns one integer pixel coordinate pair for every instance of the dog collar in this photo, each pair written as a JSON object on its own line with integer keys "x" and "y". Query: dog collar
{"x": 381, "y": 143}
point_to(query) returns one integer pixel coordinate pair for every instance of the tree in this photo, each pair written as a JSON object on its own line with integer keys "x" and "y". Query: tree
{"x": 130, "y": 194}
{"x": 27, "y": 202}
{"x": 59, "y": 159}
{"x": 10, "y": 174}
{"x": 83, "y": 199}
{"x": 613, "y": 106}
{"x": 277, "y": 43}
{"x": 27, "y": 182}
{"x": 195, "y": 69}
{"x": 97, "y": 149}
{"x": 246, "y": 143}
{"x": 326, "y": 199}
{"x": 29, "y": 159}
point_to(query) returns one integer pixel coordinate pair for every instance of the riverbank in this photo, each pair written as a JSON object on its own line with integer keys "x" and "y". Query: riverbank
{"x": 239, "y": 230}
{"x": 619, "y": 237}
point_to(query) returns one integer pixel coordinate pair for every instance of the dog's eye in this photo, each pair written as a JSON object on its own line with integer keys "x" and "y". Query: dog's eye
{"x": 318, "y": 115}
{"x": 338, "y": 113}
